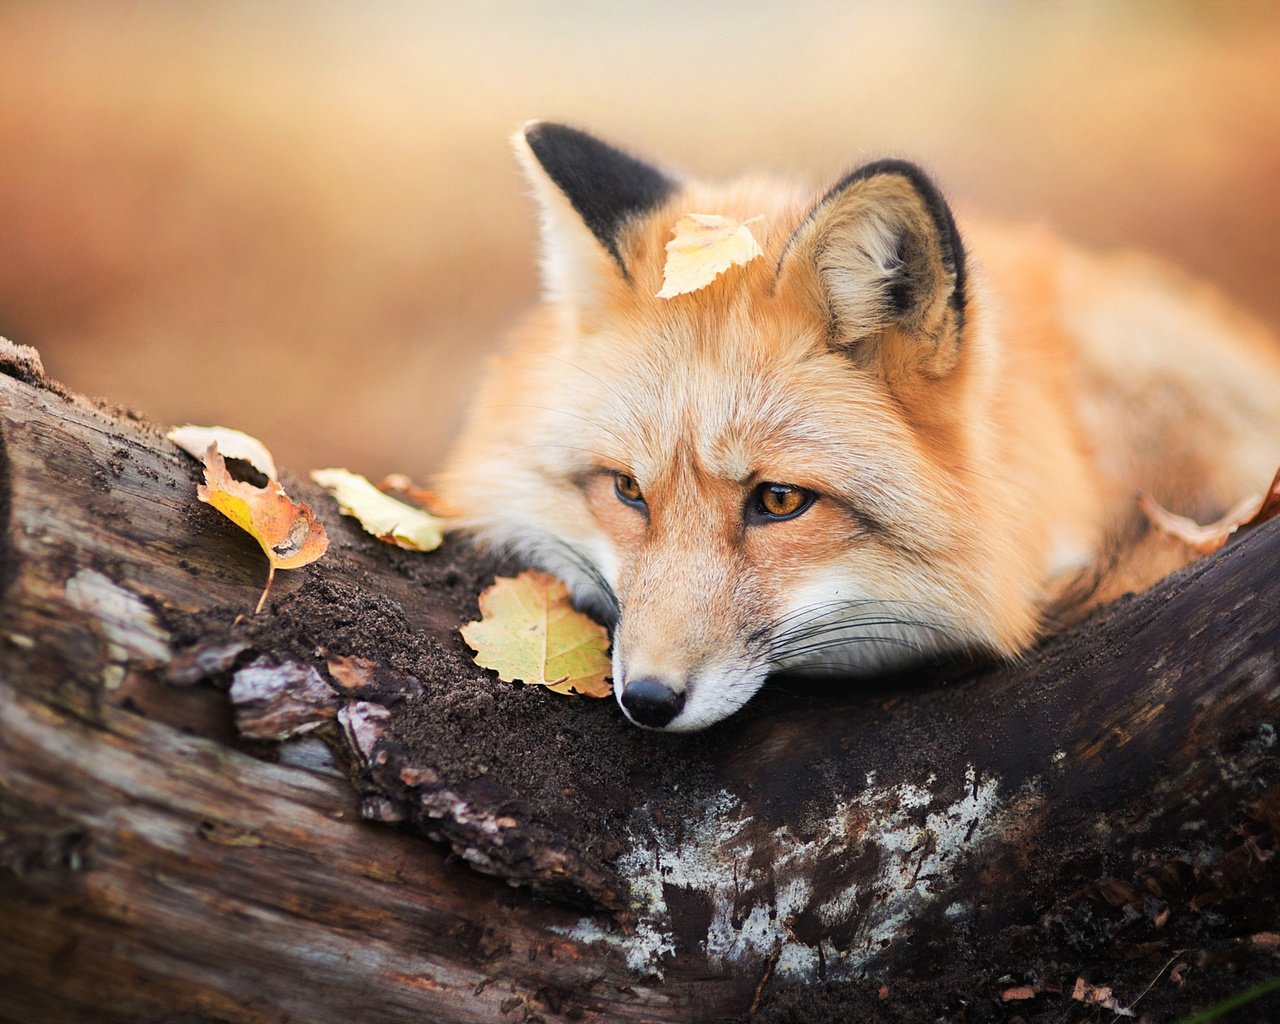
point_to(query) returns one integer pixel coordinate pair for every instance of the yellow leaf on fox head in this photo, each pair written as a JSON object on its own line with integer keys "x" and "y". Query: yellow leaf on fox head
{"x": 287, "y": 531}
{"x": 704, "y": 246}
{"x": 530, "y": 632}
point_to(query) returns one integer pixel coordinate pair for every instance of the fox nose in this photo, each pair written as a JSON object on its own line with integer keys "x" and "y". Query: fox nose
{"x": 651, "y": 702}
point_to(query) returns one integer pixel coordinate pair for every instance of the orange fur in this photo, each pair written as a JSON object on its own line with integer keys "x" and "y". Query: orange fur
{"x": 965, "y": 479}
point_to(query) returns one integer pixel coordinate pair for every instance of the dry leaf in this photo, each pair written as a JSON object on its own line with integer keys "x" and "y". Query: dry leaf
{"x": 385, "y": 517}
{"x": 1099, "y": 995}
{"x": 369, "y": 680}
{"x": 233, "y": 444}
{"x": 704, "y": 246}
{"x": 1205, "y": 540}
{"x": 402, "y": 488}
{"x": 1269, "y": 507}
{"x": 288, "y": 531}
{"x": 530, "y": 632}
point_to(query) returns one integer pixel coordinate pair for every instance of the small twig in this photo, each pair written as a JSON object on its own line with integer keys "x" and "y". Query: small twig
{"x": 1159, "y": 973}
{"x": 769, "y": 965}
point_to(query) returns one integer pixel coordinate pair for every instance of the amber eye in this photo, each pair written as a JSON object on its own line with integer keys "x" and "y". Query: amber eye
{"x": 628, "y": 490}
{"x": 781, "y": 501}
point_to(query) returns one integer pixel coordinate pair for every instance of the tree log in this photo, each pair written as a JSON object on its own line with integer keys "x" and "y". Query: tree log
{"x": 960, "y": 844}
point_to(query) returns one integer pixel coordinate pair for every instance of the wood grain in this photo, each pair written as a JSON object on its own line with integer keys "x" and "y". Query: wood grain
{"x": 151, "y": 869}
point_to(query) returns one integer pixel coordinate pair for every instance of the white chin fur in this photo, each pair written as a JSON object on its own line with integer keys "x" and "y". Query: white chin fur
{"x": 712, "y": 699}
{"x": 712, "y": 696}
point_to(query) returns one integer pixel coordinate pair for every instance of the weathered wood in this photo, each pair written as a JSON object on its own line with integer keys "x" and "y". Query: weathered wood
{"x": 1123, "y": 778}
{"x": 146, "y": 874}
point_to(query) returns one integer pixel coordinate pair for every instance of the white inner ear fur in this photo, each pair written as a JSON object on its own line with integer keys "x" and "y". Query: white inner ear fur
{"x": 575, "y": 267}
{"x": 857, "y": 258}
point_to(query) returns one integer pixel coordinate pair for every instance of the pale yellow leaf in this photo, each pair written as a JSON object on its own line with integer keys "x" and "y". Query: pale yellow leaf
{"x": 232, "y": 444}
{"x": 704, "y": 246}
{"x": 530, "y": 632}
{"x": 380, "y": 514}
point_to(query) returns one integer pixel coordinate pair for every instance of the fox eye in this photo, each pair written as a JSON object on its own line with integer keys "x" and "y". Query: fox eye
{"x": 780, "y": 501}
{"x": 627, "y": 490}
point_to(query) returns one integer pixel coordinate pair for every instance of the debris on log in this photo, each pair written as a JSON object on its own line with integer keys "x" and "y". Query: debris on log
{"x": 178, "y": 836}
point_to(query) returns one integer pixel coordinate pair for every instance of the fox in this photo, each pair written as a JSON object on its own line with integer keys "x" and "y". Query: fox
{"x": 884, "y": 443}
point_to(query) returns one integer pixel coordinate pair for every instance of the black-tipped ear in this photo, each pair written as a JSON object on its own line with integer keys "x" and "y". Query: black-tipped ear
{"x": 605, "y": 186}
{"x": 881, "y": 254}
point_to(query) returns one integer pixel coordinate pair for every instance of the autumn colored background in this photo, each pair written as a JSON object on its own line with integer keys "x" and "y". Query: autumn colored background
{"x": 302, "y": 218}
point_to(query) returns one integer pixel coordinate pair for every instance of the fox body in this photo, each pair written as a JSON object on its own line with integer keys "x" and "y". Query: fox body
{"x": 887, "y": 440}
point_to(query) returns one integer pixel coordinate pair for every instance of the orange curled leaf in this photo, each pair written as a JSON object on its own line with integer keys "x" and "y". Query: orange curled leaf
{"x": 286, "y": 530}
{"x": 402, "y": 487}
{"x": 530, "y": 632}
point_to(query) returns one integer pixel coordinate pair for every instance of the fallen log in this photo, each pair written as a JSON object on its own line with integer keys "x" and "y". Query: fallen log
{"x": 960, "y": 845}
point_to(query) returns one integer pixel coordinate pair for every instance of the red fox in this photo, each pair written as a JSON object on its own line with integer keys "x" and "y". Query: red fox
{"x": 887, "y": 440}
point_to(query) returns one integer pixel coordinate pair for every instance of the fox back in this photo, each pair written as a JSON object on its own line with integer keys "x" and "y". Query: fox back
{"x": 881, "y": 442}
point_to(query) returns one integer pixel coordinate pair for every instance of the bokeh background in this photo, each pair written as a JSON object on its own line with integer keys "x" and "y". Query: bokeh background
{"x": 302, "y": 218}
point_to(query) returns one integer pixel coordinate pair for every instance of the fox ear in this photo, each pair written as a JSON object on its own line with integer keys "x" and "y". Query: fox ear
{"x": 880, "y": 256}
{"x": 587, "y": 191}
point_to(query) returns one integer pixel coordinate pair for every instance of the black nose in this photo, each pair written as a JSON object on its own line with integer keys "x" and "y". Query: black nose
{"x": 651, "y": 702}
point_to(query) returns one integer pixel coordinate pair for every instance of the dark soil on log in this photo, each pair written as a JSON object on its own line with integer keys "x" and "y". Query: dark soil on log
{"x": 560, "y": 774}
{"x": 562, "y": 767}
{"x": 539, "y": 789}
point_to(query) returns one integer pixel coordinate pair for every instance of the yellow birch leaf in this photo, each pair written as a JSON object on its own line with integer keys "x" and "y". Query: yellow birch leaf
{"x": 530, "y": 632}
{"x": 385, "y": 517}
{"x": 704, "y": 246}
{"x": 232, "y": 444}
{"x": 287, "y": 531}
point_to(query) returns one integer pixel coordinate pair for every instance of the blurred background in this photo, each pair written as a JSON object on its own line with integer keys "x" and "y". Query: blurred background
{"x": 302, "y": 218}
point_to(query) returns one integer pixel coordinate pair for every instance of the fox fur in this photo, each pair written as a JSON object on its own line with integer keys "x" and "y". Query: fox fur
{"x": 972, "y": 411}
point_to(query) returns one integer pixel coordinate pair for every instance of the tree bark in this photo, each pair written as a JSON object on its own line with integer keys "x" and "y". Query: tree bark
{"x": 1015, "y": 828}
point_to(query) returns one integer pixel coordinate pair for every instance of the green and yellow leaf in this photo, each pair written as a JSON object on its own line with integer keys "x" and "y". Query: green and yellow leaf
{"x": 530, "y": 632}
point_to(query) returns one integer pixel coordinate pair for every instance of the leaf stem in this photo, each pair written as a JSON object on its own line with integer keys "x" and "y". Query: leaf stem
{"x": 271, "y": 575}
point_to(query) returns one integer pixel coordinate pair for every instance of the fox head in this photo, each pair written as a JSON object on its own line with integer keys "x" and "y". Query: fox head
{"x": 789, "y": 468}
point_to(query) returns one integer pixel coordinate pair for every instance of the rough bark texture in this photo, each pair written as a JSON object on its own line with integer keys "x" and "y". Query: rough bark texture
{"x": 961, "y": 846}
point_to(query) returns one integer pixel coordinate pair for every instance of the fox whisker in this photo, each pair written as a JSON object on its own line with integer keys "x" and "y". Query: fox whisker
{"x": 830, "y": 615}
